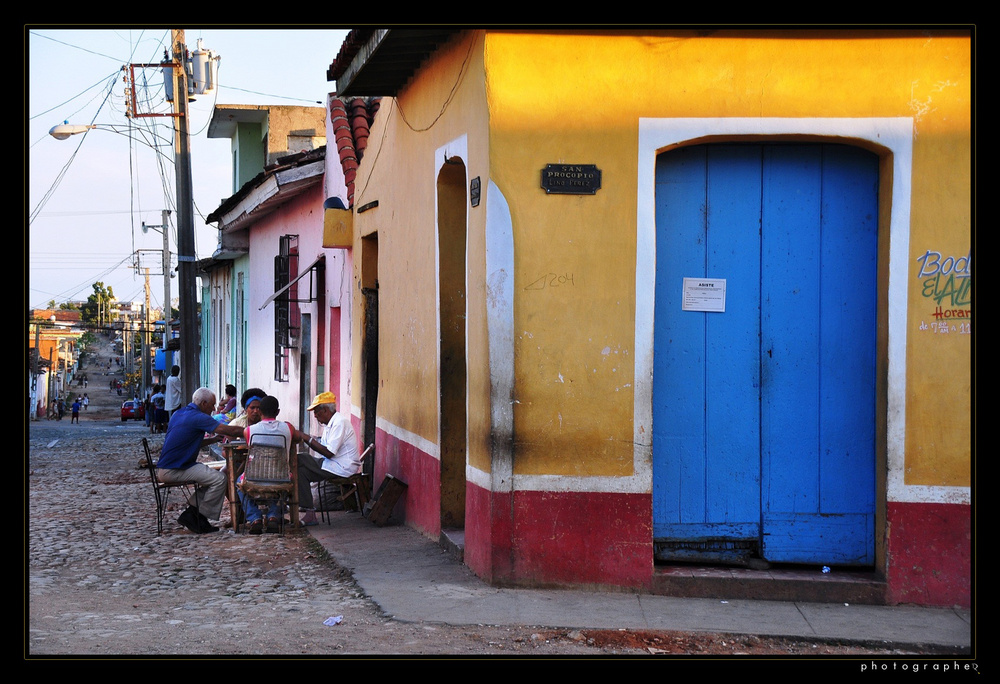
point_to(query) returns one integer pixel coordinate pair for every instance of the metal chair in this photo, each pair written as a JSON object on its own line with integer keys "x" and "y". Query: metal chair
{"x": 161, "y": 490}
{"x": 268, "y": 475}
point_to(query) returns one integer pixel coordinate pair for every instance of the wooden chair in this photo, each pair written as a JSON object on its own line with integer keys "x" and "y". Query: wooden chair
{"x": 161, "y": 490}
{"x": 356, "y": 486}
{"x": 268, "y": 473}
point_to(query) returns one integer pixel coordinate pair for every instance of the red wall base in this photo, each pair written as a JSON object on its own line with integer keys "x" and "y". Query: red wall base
{"x": 930, "y": 551}
{"x": 534, "y": 538}
{"x": 560, "y": 538}
{"x": 583, "y": 538}
{"x": 488, "y": 533}
{"x": 421, "y": 506}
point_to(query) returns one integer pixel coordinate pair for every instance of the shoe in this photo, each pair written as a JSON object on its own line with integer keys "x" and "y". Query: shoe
{"x": 309, "y": 518}
{"x": 256, "y": 527}
{"x": 189, "y": 519}
{"x": 204, "y": 527}
{"x": 273, "y": 525}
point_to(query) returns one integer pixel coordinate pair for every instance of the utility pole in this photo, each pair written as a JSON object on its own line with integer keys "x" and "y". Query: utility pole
{"x": 167, "y": 356}
{"x": 164, "y": 229}
{"x": 52, "y": 379}
{"x": 190, "y": 352}
{"x": 147, "y": 374}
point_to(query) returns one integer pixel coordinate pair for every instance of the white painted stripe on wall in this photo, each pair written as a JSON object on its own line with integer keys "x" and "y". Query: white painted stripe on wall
{"x": 500, "y": 330}
{"x": 481, "y": 479}
{"x": 425, "y": 445}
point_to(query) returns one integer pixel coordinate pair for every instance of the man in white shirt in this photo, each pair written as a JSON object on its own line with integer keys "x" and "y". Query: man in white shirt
{"x": 173, "y": 401}
{"x": 338, "y": 447}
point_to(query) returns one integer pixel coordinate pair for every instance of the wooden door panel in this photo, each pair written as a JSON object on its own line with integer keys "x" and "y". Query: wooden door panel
{"x": 763, "y": 416}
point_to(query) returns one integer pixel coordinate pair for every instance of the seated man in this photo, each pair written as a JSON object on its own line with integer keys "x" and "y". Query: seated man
{"x": 272, "y": 432}
{"x": 338, "y": 446}
{"x": 179, "y": 460}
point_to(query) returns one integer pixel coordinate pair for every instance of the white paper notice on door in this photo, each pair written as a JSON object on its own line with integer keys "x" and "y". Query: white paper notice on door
{"x": 704, "y": 294}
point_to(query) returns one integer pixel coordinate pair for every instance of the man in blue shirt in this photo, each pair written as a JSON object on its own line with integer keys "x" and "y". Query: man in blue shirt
{"x": 179, "y": 460}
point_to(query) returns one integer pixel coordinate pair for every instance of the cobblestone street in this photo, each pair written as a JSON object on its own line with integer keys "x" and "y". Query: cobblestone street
{"x": 103, "y": 582}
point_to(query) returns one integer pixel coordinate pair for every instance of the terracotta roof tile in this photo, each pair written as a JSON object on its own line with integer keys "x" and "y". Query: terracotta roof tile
{"x": 351, "y": 125}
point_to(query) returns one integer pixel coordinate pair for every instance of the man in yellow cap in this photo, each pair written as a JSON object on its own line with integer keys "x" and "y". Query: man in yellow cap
{"x": 338, "y": 446}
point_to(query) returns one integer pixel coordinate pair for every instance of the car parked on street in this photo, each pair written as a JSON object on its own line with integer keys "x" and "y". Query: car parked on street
{"x": 133, "y": 410}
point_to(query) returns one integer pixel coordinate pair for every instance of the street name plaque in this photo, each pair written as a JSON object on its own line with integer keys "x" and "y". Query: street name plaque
{"x": 571, "y": 179}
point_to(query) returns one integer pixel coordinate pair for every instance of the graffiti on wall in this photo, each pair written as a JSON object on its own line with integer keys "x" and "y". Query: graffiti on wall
{"x": 551, "y": 280}
{"x": 946, "y": 285}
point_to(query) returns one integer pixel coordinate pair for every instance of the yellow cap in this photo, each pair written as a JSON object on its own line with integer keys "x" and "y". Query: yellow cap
{"x": 322, "y": 398}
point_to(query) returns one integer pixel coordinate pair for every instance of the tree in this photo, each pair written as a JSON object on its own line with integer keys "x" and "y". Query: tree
{"x": 95, "y": 310}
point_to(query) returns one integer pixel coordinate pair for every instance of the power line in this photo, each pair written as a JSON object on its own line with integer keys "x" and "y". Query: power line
{"x": 75, "y": 47}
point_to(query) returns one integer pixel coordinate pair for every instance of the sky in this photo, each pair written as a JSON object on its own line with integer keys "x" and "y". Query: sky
{"x": 87, "y": 197}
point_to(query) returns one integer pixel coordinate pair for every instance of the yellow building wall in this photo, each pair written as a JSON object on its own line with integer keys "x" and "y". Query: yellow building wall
{"x": 443, "y": 103}
{"x": 572, "y": 97}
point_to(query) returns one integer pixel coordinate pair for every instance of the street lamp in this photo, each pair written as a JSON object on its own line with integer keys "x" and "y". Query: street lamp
{"x": 66, "y": 129}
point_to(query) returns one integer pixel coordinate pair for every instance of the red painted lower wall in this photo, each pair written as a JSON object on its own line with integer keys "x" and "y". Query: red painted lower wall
{"x": 929, "y": 554}
{"x": 421, "y": 506}
{"x": 488, "y": 538}
{"x": 559, "y": 538}
{"x": 582, "y": 538}
{"x": 534, "y": 538}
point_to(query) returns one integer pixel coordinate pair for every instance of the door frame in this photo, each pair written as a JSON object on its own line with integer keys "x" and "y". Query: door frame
{"x": 892, "y": 140}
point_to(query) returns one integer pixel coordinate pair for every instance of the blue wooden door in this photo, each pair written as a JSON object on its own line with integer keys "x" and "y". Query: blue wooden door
{"x": 763, "y": 415}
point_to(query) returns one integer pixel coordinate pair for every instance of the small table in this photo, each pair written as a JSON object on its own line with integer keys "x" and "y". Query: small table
{"x": 235, "y": 453}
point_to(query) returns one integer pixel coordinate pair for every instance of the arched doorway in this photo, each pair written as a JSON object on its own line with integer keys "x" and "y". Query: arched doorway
{"x": 451, "y": 217}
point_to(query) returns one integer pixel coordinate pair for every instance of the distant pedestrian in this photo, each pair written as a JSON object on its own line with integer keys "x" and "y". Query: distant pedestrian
{"x": 160, "y": 416}
{"x": 75, "y": 408}
{"x": 86, "y": 400}
{"x": 147, "y": 406}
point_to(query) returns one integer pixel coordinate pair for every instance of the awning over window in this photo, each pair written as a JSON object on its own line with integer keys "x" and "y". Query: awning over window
{"x": 304, "y": 273}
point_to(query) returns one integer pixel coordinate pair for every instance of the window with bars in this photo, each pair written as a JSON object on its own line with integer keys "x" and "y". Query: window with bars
{"x": 286, "y": 310}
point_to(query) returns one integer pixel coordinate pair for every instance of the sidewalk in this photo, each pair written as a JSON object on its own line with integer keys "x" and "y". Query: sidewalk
{"x": 414, "y": 579}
